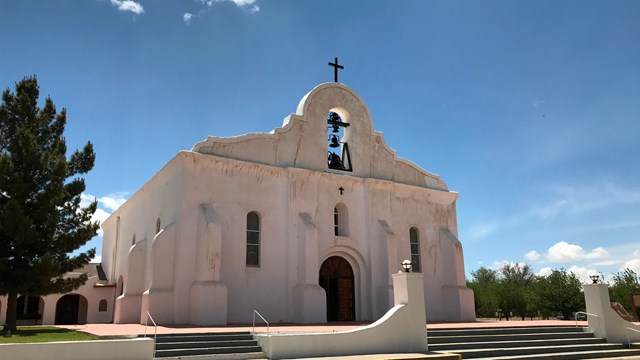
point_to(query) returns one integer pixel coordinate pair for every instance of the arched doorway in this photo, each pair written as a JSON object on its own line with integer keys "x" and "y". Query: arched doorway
{"x": 336, "y": 277}
{"x": 71, "y": 310}
{"x": 29, "y": 310}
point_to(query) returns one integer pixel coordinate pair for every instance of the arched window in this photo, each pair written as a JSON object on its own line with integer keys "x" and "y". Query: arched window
{"x": 414, "y": 239}
{"x": 158, "y": 225}
{"x": 102, "y": 305}
{"x": 253, "y": 239}
{"x": 340, "y": 220}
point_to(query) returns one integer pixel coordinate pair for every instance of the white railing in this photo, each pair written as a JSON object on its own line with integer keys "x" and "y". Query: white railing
{"x": 589, "y": 314}
{"x": 627, "y": 332}
{"x": 155, "y": 334}
{"x": 253, "y": 331}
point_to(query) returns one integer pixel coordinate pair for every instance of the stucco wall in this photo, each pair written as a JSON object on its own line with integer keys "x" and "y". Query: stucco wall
{"x": 88, "y": 311}
{"x": 401, "y": 330}
{"x": 607, "y": 323}
{"x": 130, "y": 349}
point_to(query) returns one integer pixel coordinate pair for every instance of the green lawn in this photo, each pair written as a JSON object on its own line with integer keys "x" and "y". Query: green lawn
{"x": 32, "y": 334}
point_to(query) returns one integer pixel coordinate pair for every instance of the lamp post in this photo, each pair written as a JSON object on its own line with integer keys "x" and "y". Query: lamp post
{"x": 594, "y": 278}
{"x": 406, "y": 265}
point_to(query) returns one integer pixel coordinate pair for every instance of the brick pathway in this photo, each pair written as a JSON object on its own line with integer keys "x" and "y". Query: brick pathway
{"x": 135, "y": 329}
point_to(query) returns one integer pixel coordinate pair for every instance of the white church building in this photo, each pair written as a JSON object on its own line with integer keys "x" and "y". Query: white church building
{"x": 304, "y": 224}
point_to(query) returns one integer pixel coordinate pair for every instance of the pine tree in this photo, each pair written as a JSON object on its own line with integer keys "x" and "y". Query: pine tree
{"x": 41, "y": 220}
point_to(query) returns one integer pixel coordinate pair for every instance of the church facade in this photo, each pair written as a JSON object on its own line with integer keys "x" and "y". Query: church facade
{"x": 304, "y": 224}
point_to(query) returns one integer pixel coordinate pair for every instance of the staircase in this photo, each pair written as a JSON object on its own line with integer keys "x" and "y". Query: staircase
{"x": 205, "y": 346}
{"x": 557, "y": 343}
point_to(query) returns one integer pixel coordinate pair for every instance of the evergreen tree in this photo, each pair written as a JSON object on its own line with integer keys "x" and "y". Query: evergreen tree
{"x": 41, "y": 220}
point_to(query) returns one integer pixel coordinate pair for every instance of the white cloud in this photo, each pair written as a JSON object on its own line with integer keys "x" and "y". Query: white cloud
{"x": 106, "y": 205}
{"x": 498, "y": 265}
{"x": 633, "y": 264}
{"x": 545, "y": 271}
{"x": 100, "y": 216}
{"x": 565, "y": 252}
{"x": 532, "y": 255}
{"x": 128, "y": 5}
{"x": 247, "y": 5}
{"x": 243, "y": 2}
{"x": 86, "y": 199}
{"x": 113, "y": 201}
{"x": 187, "y": 18}
{"x": 581, "y": 273}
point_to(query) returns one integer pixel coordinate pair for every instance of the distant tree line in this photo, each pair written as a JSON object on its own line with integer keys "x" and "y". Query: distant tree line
{"x": 515, "y": 291}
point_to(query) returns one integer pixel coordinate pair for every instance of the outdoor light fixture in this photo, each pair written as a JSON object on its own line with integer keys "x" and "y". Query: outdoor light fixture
{"x": 406, "y": 265}
{"x": 594, "y": 278}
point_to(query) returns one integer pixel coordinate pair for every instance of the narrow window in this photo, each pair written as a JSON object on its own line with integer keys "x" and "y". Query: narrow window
{"x": 102, "y": 306}
{"x": 336, "y": 221}
{"x": 414, "y": 239}
{"x": 158, "y": 225}
{"x": 253, "y": 239}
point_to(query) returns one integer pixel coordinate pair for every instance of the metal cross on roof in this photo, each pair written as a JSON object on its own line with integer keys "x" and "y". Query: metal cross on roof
{"x": 335, "y": 66}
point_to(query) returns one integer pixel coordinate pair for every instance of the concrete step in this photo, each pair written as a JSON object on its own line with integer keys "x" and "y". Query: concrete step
{"x": 437, "y": 339}
{"x": 504, "y": 330}
{"x": 617, "y": 354}
{"x": 202, "y": 337}
{"x": 203, "y": 344}
{"x": 243, "y": 356}
{"x": 497, "y": 343}
{"x": 535, "y": 350}
{"x": 208, "y": 351}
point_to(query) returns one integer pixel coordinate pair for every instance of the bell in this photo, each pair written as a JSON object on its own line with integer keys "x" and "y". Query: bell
{"x": 334, "y": 142}
{"x": 334, "y": 120}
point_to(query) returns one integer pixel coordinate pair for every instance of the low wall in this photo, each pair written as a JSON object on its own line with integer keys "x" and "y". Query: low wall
{"x": 401, "y": 330}
{"x": 607, "y": 323}
{"x": 130, "y": 349}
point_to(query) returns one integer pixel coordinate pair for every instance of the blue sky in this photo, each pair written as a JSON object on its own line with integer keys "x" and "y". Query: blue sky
{"x": 529, "y": 109}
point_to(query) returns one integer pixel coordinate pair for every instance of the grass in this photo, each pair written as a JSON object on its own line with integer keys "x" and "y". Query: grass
{"x": 34, "y": 334}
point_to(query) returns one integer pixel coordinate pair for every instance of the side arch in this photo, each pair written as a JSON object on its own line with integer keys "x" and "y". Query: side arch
{"x": 71, "y": 309}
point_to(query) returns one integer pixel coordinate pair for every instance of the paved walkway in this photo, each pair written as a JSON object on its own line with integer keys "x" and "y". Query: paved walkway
{"x": 135, "y": 329}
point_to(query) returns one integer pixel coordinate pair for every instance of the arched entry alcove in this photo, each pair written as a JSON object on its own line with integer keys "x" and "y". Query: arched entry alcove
{"x": 337, "y": 280}
{"x": 71, "y": 310}
{"x": 29, "y": 310}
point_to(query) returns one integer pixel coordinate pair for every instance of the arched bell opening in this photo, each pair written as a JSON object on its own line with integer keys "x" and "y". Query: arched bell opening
{"x": 339, "y": 157}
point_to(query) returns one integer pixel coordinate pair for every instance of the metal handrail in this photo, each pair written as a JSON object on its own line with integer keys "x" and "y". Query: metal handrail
{"x": 253, "y": 330}
{"x": 588, "y": 314}
{"x": 155, "y": 334}
{"x": 627, "y": 333}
